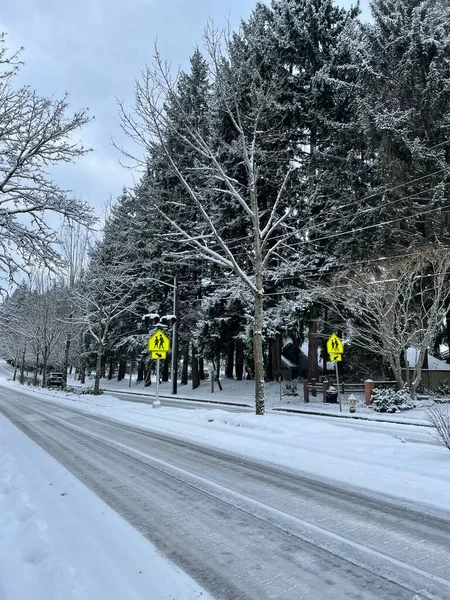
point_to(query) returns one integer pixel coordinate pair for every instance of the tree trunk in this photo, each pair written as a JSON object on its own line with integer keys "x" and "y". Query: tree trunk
{"x": 239, "y": 360}
{"x": 274, "y": 363}
{"x": 219, "y": 385}
{"x": 258, "y": 350}
{"x": 140, "y": 372}
{"x": 36, "y": 369}
{"x": 195, "y": 373}
{"x": 103, "y": 368}
{"x": 122, "y": 369}
{"x": 201, "y": 368}
{"x": 66, "y": 361}
{"x": 22, "y": 367}
{"x": 166, "y": 369}
{"x": 396, "y": 367}
{"x": 16, "y": 360}
{"x": 148, "y": 375}
{"x": 98, "y": 368}
{"x": 230, "y": 362}
{"x": 82, "y": 360}
{"x": 111, "y": 369}
{"x": 270, "y": 375}
{"x": 184, "y": 370}
{"x": 44, "y": 367}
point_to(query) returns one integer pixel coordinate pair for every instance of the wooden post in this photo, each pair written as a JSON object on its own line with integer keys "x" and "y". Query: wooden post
{"x": 324, "y": 391}
{"x": 368, "y": 388}
{"x": 305, "y": 392}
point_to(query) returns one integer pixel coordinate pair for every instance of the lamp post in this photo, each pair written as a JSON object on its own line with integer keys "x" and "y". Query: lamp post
{"x": 174, "y": 360}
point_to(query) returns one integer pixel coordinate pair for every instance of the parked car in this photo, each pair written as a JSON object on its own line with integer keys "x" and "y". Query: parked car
{"x": 55, "y": 380}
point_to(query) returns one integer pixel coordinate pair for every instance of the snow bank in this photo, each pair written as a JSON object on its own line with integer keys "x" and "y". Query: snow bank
{"x": 58, "y": 540}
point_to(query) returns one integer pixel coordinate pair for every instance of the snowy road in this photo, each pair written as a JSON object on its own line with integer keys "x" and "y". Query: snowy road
{"x": 244, "y": 530}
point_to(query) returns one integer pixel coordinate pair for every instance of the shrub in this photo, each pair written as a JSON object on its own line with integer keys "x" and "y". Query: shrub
{"x": 290, "y": 388}
{"x": 81, "y": 390}
{"x": 441, "y": 391}
{"x": 391, "y": 401}
{"x": 439, "y": 419}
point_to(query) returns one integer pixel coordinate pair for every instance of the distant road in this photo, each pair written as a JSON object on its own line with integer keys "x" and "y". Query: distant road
{"x": 244, "y": 530}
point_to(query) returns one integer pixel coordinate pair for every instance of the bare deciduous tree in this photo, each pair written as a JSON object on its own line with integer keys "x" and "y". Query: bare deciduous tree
{"x": 35, "y": 135}
{"x": 107, "y": 292}
{"x": 438, "y": 417}
{"x": 395, "y": 307}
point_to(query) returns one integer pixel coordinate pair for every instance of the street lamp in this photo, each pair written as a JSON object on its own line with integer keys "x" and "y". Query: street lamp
{"x": 166, "y": 321}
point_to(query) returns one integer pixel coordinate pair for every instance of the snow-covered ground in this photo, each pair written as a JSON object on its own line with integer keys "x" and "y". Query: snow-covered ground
{"x": 386, "y": 458}
{"x": 59, "y": 540}
{"x": 242, "y": 392}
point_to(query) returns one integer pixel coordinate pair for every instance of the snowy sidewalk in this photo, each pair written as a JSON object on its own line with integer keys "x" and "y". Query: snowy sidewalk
{"x": 59, "y": 540}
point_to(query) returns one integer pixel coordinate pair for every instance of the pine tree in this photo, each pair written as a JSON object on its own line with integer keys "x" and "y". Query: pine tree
{"x": 405, "y": 115}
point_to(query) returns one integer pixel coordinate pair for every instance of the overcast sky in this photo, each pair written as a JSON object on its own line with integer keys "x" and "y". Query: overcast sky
{"x": 94, "y": 50}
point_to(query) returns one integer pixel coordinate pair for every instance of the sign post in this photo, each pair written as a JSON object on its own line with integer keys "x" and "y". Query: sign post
{"x": 335, "y": 349}
{"x": 158, "y": 345}
{"x": 157, "y": 402}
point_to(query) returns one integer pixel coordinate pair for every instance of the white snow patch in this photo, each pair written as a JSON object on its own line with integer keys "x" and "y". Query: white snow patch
{"x": 59, "y": 540}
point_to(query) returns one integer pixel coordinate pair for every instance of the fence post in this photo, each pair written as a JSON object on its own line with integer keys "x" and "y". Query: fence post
{"x": 369, "y": 385}
{"x": 313, "y": 387}
{"x": 324, "y": 391}
{"x": 305, "y": 392}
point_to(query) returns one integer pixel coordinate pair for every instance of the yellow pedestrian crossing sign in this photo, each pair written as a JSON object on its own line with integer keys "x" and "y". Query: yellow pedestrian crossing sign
{"x": 159, "y": 342}
{"x": 159, "y": 354}
{"x": 335, "y": 346}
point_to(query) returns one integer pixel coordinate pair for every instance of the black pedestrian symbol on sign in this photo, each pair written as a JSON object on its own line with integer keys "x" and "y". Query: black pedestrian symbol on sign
{"x": 159, "y": 342}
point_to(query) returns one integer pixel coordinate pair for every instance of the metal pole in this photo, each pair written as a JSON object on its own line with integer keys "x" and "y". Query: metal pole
{"x": 175, "y": 337}
{"x": 157, "y": 403}
{"x": 337, "y": 383}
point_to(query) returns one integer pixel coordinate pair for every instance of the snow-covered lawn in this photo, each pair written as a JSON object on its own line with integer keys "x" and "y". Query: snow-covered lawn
{"x": 58, "y": 540}
{"x": 385, "y": 458}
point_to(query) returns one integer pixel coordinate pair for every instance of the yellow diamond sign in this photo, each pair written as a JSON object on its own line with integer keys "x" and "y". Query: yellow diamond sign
{"x": 159, "y": 342}
{"x": 335, "y": 345}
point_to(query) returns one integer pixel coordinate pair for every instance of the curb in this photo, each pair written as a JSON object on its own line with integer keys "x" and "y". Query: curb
{"x": 339, "y": 416}
{"x": 162, "y": 397}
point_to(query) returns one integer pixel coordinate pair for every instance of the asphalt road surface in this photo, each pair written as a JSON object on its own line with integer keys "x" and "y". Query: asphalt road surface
{"x": 245, "y": 530}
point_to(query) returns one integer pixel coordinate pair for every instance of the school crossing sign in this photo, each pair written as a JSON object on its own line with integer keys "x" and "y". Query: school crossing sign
{"x": 159, "y": 343}
{"x": 335, "y": 348}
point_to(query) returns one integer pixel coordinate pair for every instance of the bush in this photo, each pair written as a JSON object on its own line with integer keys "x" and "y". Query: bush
{"x": 81, "y": 390}
{"x": 439, "y": 419}
{"x": 391, "y": 401}
{"x": 290, "y": 388}
{"x": 441, "y": 391}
